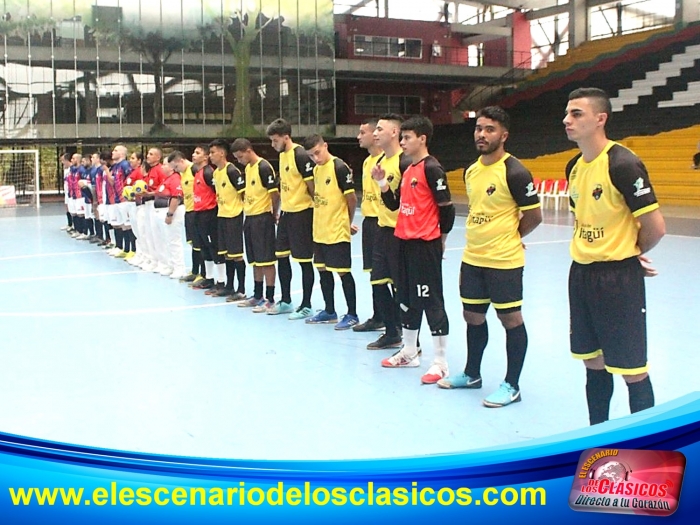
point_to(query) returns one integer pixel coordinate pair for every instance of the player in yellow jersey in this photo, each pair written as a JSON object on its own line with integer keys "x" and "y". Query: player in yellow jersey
{"x": 617, "y": 221}
{"x": 295, "y": 223}
{"x": 261, "y": 207}
{"x": 371, "y": 198}
{"x": 335, "y": 203}
{"x": 230, "y": 186}
{"x": 503, "y": 208}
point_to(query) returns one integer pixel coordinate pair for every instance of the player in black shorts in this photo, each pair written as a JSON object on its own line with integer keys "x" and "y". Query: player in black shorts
{"x": 617, "y": 221}
{"x": 503, "y": 208}
{"x": 426, "y": 216}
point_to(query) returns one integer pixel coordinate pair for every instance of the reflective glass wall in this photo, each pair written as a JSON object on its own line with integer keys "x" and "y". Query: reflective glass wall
{"x": 130, "y": 68}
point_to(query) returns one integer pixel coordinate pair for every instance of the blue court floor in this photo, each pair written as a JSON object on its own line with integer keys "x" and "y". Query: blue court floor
{"x": 98, "y": 353}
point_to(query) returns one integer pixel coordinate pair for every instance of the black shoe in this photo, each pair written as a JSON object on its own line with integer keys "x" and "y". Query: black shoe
{"x": 206, "y": 284}
{"x": 370, "y": 325}
{"x": 96, "y": 240}
{"x": 385, "y": 341}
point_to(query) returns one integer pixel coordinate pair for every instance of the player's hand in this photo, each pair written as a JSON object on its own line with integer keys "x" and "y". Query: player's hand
{"x": 168, "y": 220}
{"x": 354, "y": 228}
{"x": 649, "y": 271}
{"x": 378, "y": 173}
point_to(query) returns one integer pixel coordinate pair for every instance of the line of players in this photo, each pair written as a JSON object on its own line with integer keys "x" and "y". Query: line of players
{"x": 305, "y": 213}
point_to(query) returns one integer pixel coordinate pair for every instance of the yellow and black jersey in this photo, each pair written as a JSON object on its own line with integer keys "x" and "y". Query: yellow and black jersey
{"x": 371, "y": 194}
{"x": 332, "y": 180}
{"x": 261, "y": 181}
{"x": 393, "y": 167}
{"x": 187, "y": 179}
{"x": 230, "y": 184}
{"x": 497, "y": 194}
{"x": 606, "y": 196}
{"x": 295, "y": 169}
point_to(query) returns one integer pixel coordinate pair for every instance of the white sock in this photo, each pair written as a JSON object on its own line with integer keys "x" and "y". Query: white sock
{"x": 440, "y": 349}
{"x": 209, "y": 268}
{"x": 410, "y": 342}
{"x": 221, "y": 272}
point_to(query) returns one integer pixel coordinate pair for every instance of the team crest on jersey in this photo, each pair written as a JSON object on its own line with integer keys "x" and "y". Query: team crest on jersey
{"x": 161, "y": 187}
{"x": 286, "y": 168}
{"x": 252, "y": 183}
{"x": 223, "y": 184}
{"x": 390, "y": 178}
{"x": 440, "y": 184}
{"x": 641, "y": 190}
{"x": 328, "y": 181}
{"x": 491, "y": 190}
{"x": 597, "y": 192}
{"x": 414, "y": 182}
{"x": 150, "y": 182}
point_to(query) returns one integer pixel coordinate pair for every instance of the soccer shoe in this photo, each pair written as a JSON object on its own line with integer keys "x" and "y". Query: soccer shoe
{"x": 347, "y": 321}
{"x": 401, "y": 360}
{"x": 220, "y": 291}
{"x": 198, "y": 279}
{"x": 370, "y": 325}
{"x": 149, "y": 266}
{"x": 96, "y": 240}
{"x": 250, "y": 302}
{"x": 64, "y": 228}
{"x": 204, "y": 284}
{"x": 75, "y": 234}
{"x": 236, "y": 297}
{"x": 263, "y": 307}
{"x": 130, "y": 255}
{"x": 505, "y": 395}
{"x": 82, "y": 237}
{"x": 281, "y": 308}
{"x": 115, "y": 252}
{"x": 303, "y": 312}
{"x": 322, "y": 317}
{"x": 136, "y": 260}
{"x": 384, "y": 341}
{"x": 166, "y": 271}
{"x": 434, "y": 374}
{"x": 176, "y": 275}
{"x": 189, "y": 278}
{"x": 460, "y": 381}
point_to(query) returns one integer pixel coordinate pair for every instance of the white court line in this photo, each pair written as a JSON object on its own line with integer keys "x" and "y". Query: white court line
{"x": 13, "y": 257}
{"x": 160, "y": 310}
{"x": 73, "y": 276}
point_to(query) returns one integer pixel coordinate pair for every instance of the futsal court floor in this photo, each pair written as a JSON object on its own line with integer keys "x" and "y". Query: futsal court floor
{"x": 96, "y": 352}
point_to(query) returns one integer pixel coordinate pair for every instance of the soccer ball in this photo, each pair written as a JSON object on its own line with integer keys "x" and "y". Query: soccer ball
{"x": 128, "y": 193}
{"x": 140, "y": 186}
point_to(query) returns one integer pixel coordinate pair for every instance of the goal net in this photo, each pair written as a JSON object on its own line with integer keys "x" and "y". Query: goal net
{"x": 19, "y": 178}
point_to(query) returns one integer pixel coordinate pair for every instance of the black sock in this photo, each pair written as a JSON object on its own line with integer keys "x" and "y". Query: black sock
{"x": 70, "y": 219}
{"x": 119, "y": 238}
{"x": 307, "y": 283}
{"x": 641, "y": 395}
{"x": 132, "y": 236}
{"x": 516, "y": 347}
{"x": 599, "y": 389}
{"x": 270, "y": 293}
{"x": 98, "y": 229}
{"x": 284, "y": 269}
{"x": 387, "y": 306}
{"x": 91, "y": 226}
{"x": 348, "y": 283}
{"x": 79, "y": 223}
{"x": 377, "y": 313}
{"x": 107, "y": 227}
{"x": 477, "y": 339}
{"x": 328, "y": 291}
{"x": 230, "y": 274}
{"x": 127, "y": 240}
{"x": 196, "y": 261}
{"x": 240, "y": 272}
{"x": 257, "y": 289}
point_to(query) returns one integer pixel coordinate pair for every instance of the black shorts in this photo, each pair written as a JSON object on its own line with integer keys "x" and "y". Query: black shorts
{"x": 370, "y": 227}
{"x": 206, "y": 237}
{"x": 420, "y": 274}
{"x": 259, "y": 233}
{"x": 607, "y": 305}
{"x": 385, "y": 257}
{"x": 295, "y": 235}
{"x": 230, "y": 236}
{"x": 480, "y": 286}
{"x": 189, "y": 227}
{"x": 335, "y": 257}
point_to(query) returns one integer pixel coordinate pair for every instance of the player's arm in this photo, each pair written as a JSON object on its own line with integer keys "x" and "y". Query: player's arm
{"x": 209, "y": 176}
{"x": 176, "y": 198}
{"x": 569, "y": 168}
{"x": 437, "y": 181}
{"x": 343, "y": 174}
{"x": 390, "y": 198}
{"x": 272, "y": 183}
{"x": 237, "y": 179}
{"x": 305, "y": 166}
{"x": 652, "y": 229}
{"x": 522, "y": 189}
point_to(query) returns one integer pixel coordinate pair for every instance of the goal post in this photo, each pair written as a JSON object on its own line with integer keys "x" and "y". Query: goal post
{"x": 20, "y": 181}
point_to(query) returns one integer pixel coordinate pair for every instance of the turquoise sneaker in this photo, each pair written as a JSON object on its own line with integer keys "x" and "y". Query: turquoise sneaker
{"x": 505, "y": 395}
{"x": 301, "y": 313}
{"x": 460, "y": 381}
{"x": 281, "y": 308}
{"x": 322, "y": 317}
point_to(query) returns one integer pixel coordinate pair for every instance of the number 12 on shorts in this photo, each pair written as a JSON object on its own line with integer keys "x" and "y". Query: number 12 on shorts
{"x": 423, "y": 290}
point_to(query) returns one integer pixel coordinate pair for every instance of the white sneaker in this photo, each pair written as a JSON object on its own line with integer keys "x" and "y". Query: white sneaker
{"x": 82, "y": 237}
{"x": 436, "y": 372}
{"x": 135, "y": 260}
{"x": 64, "y": 228}
{"x": 149, "y": 266}
{"x": 166, "y": 271}
{"x": 113, "y": 251}
{"x": 401, "y": 360}
{"x": 177, "y": 275}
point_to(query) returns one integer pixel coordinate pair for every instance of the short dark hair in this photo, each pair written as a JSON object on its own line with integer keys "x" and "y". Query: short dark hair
{"x": 176, "y": 155}
{"x": 138, "y": 154}
{"x": 105, "y": 156}
{"x": 599, "y": 97}
{"x": 420, "y": 125}
{"x": 241, "y": 145}
{"x": 312, "y": 141}
{"x": 67, "y": 156}
{"x": 203, "y": 147}
{"x": 221, "y": 144}
{"x": 391, "y": 116}
{"x": 159, "y": 150}
{"x": 371, "y": 121}
{"x": 279, "y": 127}
{"x": 496, "y": 113}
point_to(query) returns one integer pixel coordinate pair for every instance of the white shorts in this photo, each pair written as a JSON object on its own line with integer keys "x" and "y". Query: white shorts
{"x": 71, "y": 205}
{"x": 80, "y": 205}
{"x": 102, "y": 212}
{"x": 124, "y": 211}
{"x": 117, "y": 215}
{"x": 112, "y": 214}
{"x": 88, "y": 211}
